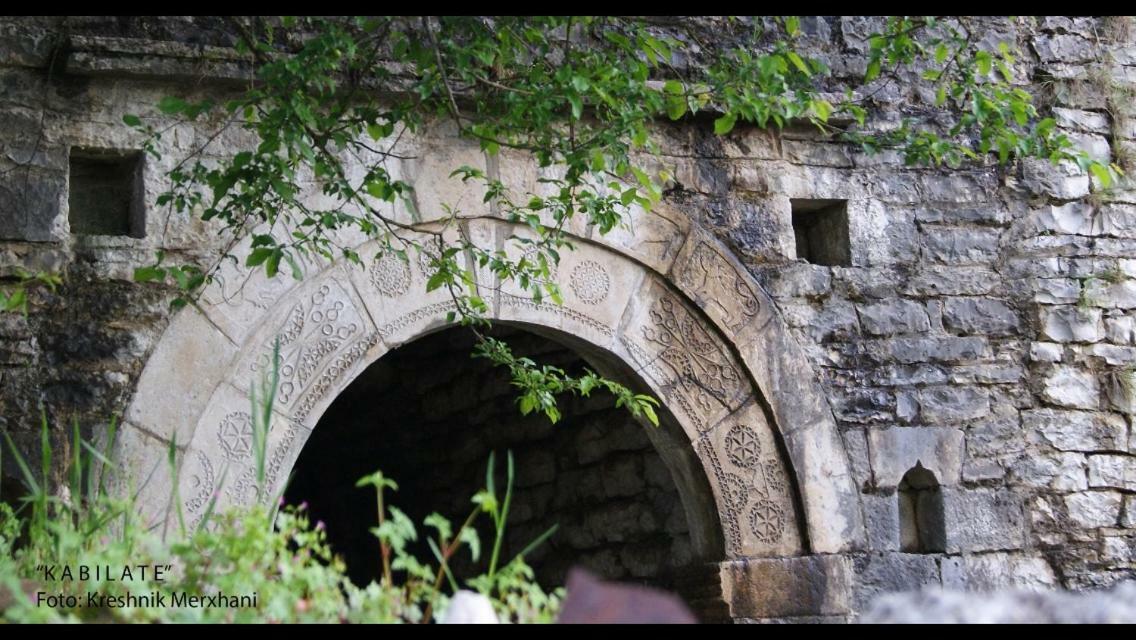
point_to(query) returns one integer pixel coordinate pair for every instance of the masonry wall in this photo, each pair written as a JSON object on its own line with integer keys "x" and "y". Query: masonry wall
{"x": 983, "y": 329}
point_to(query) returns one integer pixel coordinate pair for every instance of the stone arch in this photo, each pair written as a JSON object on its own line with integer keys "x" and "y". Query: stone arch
{"x": 667, "y": 301}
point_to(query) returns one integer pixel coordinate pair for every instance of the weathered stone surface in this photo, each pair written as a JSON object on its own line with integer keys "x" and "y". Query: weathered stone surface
{"x": 1072, "y": 388}
{"x": 983, "y": 520}
{"x": 1119, "y": 330}
{"x": 1128, "y": 519}
{"x": 1094, "y": 508}
{"x": 879, "y": 574}
{"x": 1057, "y": 471}
{"x": 954, "y": 607}
{"x": 1060, "y": 182}
{"x": 961, "y": 246}
{"x": 1046, "y": 352}
{"x": 1071, "y": 324}
{"x": 896, "y": 451}
{"x": 885, "y": 319}
{"x": 1113, "y": 472}
{"x": 1057, "y": 290}
{"x": 1070, "y": 218}
{"x": 787, "y": 587}
{"x": 934, "y": 349}
{"x": 1076, "y": 430}
{"x": 979, "y": 316}
{"x": 1001, "y": 570}
{"x": 1080, "y": 119}
{"x": 183, "y": 372}
{"x": 952, "y": 404}
{"x": 881, "y": 517}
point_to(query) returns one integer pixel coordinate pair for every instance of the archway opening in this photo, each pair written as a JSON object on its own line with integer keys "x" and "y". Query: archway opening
{"x": 922, "y": 528}
{"x": 630, "y": 501}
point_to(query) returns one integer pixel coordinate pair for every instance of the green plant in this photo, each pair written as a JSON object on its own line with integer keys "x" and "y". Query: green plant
{"x": 267, "y": 564}
{"x": 14, "y": 294}
{"x": 576, "y": 96}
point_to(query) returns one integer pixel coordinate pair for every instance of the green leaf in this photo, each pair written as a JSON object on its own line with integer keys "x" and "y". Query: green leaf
{"x": 650, "y": 414}
{"x": 149, "y": 274}
{"x": 799, "y": 63}
{"x": 1101, "y": 173}
{"x": 676, "y": 107}
{"x": 470, "y": 538}
{"x": 984, "y": 62}
{"x": 823, "y": 109}
{"x": 436, "y": 281}
{"x": 272, "y": 265}
{"x": 131, "y": 120}
{"x": 297, "y": 272}
{"x": 171, "y": 105}
{"x": 793, "y": 26}
{"x": 725, "y": 124}
{"x": 577, "y": 106}
{"x": 258, "y": 256}
{"x": 873, "y": 70}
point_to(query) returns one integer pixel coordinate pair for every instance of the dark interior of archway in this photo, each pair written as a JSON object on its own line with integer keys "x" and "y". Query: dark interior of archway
{"x": 428, "y": 415}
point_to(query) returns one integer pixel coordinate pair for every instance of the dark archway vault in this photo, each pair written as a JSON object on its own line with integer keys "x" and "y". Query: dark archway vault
{"x": 428, "y": 415}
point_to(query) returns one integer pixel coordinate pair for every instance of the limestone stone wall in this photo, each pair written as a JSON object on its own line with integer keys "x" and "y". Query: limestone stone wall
{"x": 983, "y": 329}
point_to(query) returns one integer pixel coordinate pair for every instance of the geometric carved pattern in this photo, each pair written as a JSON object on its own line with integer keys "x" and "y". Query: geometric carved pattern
{"x": 705, "y": 373}
{"x": 202, "y": 484}
{"x": 755, "y": 495}
{"x": 590, "y": 282}
{"x": 735, "y": 492}
{"x": 767, "y": 521}
{"x": 390, "y": 275}
{"x": 247, "y": 490}
{"x": 715, "y": 282}
{"x": 235, "y": 434}
{"x": 316, "y": 329}
{"x": 743, "y": 447}
{"x": 774, "y": 478}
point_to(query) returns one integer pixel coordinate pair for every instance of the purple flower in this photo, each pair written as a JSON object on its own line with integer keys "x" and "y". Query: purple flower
{"x": 320, "y": 526}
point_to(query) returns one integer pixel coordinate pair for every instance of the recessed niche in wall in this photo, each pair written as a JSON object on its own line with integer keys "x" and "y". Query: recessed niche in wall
{"x": 106, "y": 197}
{"x": 922, "y": 528}
{"x": 821, "y": 230}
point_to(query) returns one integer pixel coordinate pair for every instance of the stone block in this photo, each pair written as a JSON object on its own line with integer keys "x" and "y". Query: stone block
{"x": 1112, "y": 471}
{"x": 1001, "y": 570}
{"x": 878, "y": 574}
{"x": 1071, "y": 324}
{"x": 1057, "y": 471}
{"x": 953, "y": 404}
{"x": 788, "y": 587}
{"x": 180, "y": 376}
{"x": 889, "y": 318}
{"x": 881, "y": 518}
{"x": 897, "y": 450}
{"x": 983, "y": 520}
{"x": 1093, "y": 509}
{"x": 961, "y": 245}
{"x": 979, "y": 316}
{"x": 1072, "y": 388}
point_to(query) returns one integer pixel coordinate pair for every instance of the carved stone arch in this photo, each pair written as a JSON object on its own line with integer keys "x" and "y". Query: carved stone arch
{"x": 702, "y": 334}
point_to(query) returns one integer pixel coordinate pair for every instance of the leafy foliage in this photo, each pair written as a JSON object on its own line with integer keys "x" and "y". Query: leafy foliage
{"x": 14, "y": 296}
{"x": 335, "y": 99}
{"x": 281, "y": 556}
